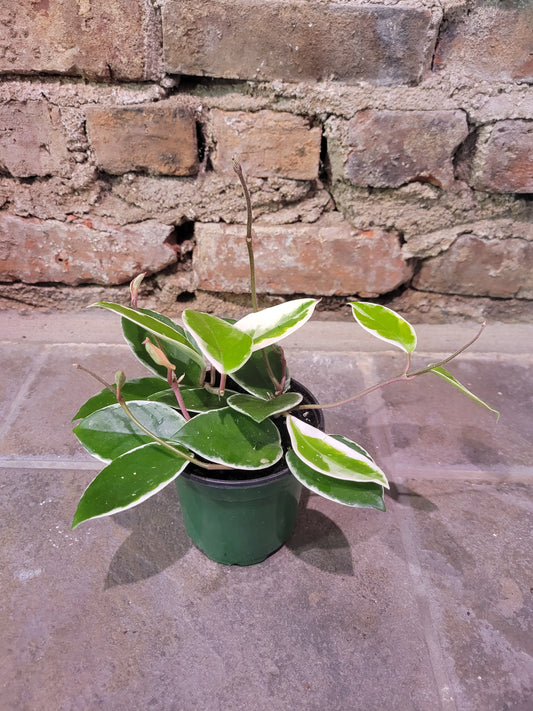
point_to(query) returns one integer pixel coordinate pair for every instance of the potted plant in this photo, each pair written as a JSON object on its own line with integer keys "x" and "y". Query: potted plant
{"x": 221, "y": 415}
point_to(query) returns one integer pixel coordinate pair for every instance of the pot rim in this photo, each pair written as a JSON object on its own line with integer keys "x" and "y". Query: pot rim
{"x": 280, "y": 468}
{"x": 281, "y": 471}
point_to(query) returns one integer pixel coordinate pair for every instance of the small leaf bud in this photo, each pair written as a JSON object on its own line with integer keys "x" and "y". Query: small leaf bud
{"x": 157, "y": 355}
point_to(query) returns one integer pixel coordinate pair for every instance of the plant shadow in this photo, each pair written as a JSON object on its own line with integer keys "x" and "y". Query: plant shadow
{"x": 157, "y": 540}
{"x": 319, "y": 542}
{"x": 405, "y": 496}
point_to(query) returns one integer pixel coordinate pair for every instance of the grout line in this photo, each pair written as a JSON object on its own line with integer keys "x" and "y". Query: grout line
{"x": 519, "y": 474}
{"x": 306, "y": 348}
{"x": 64, "y": 344}
{"x": 428, "y": 613}
{"x": 523, "y": 475}
{"x": 30, "y": 463}
{"x": 23, "y": 391}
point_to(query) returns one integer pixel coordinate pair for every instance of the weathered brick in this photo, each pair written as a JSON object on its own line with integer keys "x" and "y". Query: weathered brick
{"x": 297, "y": 41}
{"x": 92, "y": 38}
{"x": 157, "y": 138}
{"x": 499, "y": 158}
{"x": 475, "y": 266}
{"x": 267, "y": 143}
{"x": 493, "y": 42}
{"x": 391, "y": 148}
{"x": 35, "y": 251}
{"x": 328, "y": 257}
{"x": 31, "y": 140}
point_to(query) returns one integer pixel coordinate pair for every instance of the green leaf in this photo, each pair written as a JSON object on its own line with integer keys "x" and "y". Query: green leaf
{"x": 272, "y": 324}
{"x": 350, "y": 493}
{"x": 330, "y": 456}
{"x": 156, "y": 325}
{"x": 440, "y": 371}
{"x": 127, "y": 481}
{"x": 135, "y": 389}
{"x": 195, "y": 399}
{"x": 231, "y": 438}
{"x": 191, "y": 366}
{"x": 259, "y": 409}
{"x": 385, "y": 324}
{"x": 109, "y": 432}
{"x": 356, "y": 447}
{"x": 222, "y": 344}
{"x": 253, "y": 376}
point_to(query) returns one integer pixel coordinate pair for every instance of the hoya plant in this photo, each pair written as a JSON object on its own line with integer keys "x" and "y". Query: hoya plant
{"x": 219, "y": 398}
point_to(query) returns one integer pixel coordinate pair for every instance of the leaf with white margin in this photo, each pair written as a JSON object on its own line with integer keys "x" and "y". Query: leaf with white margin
{"x": 156, "y": 326}
{"x": 365, "y": 495}
{"x": 109, "y": 432}
{"x": 385, "y": 324}
{"x": 270, "y": 325}
{"x": 325, "y": 454}
{"x": 259, "y": 409}
{"x": 128, "y": 481}
{"x": 253, "y": 376}
{"x": 225, "y": 346}
{"x": 134, "y": 389}
{"x": 195, "y": 399}
{"x": 448, "y": 377}
{"x": 228, "y": 437}
{"x": 190, "y": 367}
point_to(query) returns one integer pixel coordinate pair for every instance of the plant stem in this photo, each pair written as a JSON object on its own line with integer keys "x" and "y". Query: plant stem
{"x": 319, "y": 406}
{"x": 281, "y": 354}
{"x": 277, "y": 385}
{"x": 222, "y": 385}
{"x": 251, "y": 260}
{"x": 249, "y": 234}
{"x": 96, "y": 377}
{"x": 162, "y": 442}
{"x": 404, "y": 376}
{"x": 175, "y": 385}
{"x": 430, "y": 367}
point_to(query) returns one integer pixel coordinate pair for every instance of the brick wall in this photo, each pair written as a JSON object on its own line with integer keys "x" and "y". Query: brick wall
{"x": 388, "y": 148}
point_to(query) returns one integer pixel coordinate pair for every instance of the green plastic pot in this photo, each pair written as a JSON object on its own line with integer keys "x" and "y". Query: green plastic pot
{"x": 242, "y": 521}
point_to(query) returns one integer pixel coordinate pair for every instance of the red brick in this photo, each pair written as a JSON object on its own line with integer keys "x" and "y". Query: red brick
{"x": 267, "y": 144}
{"x": 92, "y": 38}
{"x": 157, "y": 138}
{"x": 31, "y": 140}
{"x": 481, "y": 267}
{"x": 297, "y": 40}
{"x": 391, "y": 148}
{"x": 501, "y": 160}
{"x": 327, "y": 257}
{"x": 36, "y": 251}
{"x": 489, "y": 42}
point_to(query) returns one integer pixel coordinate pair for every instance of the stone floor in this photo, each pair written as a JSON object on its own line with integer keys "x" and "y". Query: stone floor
{"x": 425, "y": 607}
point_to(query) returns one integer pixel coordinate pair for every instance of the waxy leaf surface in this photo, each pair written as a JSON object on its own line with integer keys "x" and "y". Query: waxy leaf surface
{"x": 135, "y": 389}
{"x": 272, "y": 324}
{"x": 330, "y": 456}
{"x": 172, "y": 334}
{"x": 129, "y": 480}
{"x": 109, "y": 432}
{"x": 186, "y": 363}
{"x": 195, "y": 399}
{"x": 259, "y": 409}
{"x": 231, "y": 438}
{"x": 449, "y": 378}
{"x": 225, "y": 346}
{"x": 350, "y": 493}
{"x": 253, "y": 376}
{"x": 385, "y": 324}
